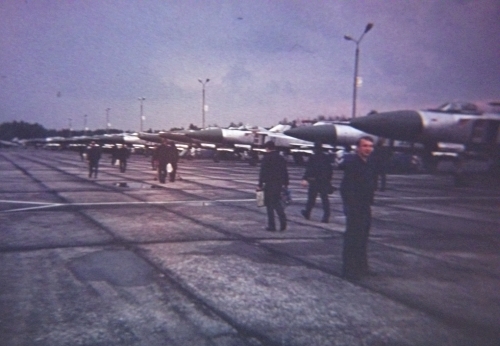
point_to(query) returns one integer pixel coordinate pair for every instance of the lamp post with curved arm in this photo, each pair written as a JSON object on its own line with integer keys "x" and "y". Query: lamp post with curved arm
{"x": 203, "y": 83}
{"x": 142, "y": 116}
{"x": 369, "y": 26}
{"x": 107, "y": 120}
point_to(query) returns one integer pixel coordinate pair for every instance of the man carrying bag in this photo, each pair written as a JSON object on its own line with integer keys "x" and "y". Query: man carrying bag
{"x": 318, "y": 176}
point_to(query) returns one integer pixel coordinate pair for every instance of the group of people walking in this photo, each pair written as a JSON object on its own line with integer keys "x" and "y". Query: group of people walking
{"x": 121, "y": 154}
{"x": 165, "y": 156}
{"x": 94, "y": 152}
{"x": 164, "y": 159}
{"x": 357, "y": 191}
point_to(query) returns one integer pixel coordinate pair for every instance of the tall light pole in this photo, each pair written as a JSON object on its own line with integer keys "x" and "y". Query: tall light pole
{"x": 107, "y": 120}
{"x": 369, "y": 26}
{"x": 142, "y": 99}
{"x": 203, "y": 101}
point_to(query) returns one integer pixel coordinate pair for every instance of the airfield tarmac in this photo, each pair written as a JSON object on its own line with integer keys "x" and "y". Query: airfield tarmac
{"x": 123, "y": 260}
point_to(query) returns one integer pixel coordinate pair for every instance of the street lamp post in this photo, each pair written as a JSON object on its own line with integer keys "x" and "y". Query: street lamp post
{"x": 142, "y": 117}
{"x": 107, "y": 120}
{"x": 369, "y": 26}
{"x": 203, "y": 83}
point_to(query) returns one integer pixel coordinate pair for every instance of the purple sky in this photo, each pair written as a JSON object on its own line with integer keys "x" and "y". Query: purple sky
{"x": 266, "y": 60}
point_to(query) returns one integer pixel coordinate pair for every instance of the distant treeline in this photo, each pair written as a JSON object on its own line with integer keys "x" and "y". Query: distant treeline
{"x": 23, "y": 130}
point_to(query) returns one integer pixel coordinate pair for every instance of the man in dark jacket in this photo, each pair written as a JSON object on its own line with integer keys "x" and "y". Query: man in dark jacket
{"x": 381, "y": 158}
{"x": 93, "y": 157}
{"x": 318, "y": 176}
{"x": 172, "y": 158}
{"x": 272, "y": 178}
{"x": 162, "y": 156}
{"x": 357, "y": 191}
{"x": 122, "y": 155}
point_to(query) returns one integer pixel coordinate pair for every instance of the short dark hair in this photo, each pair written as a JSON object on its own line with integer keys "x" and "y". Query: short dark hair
{"x": 270, "y": 145}
{"x": 366, "y": 138}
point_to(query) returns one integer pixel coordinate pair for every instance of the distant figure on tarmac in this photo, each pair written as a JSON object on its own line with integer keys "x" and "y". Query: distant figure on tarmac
{"x": 93, "y": 157}
{"x": 357, "y": 190}
{"x": 162, "y": 157}
{"x": 122, "y": 155}
{"x": 114, "y": 154}
{"x": 318, "y": 177}
{"x": 273, "y": 177}
{"x": 381, "y": 158}
{"x": 81, "y": 151}
{"x": 154, "y": 158}
{"x": 172, "y": 159}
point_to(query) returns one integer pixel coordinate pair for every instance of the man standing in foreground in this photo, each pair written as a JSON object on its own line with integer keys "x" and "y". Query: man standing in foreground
{"x": 357, "y": 191}
{"x": 272, "y": 178}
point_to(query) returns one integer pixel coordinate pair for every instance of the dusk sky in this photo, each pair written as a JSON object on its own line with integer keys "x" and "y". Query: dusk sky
{"x": 266, "y": 60}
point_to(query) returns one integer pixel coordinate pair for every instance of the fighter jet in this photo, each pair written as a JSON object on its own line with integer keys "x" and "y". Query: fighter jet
{"x": 250, "y": 139}
{"x": 8, "y": 144}
{"x": 473, "y": 132}
{"x": 335, "y": 134}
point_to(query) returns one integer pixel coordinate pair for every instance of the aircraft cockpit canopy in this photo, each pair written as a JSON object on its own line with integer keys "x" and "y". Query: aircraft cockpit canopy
{"x": 458, "y": 107}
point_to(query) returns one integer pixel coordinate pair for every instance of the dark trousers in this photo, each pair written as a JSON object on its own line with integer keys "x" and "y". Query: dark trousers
{"x": 93, "y": 167}
{"x": 355, "y": 252}
{"x": 381, "y": 176}
{"x": 162, "y": 171}
{"x": 312, "y": 193}
{"x": 173, "y": 173}
{"x": 273, "y": 203}
{"x": 123, "y": 165}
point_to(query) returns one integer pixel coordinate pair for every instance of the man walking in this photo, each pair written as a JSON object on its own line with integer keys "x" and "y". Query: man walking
{"x": 172, "y": 158}
{"x": 272, "y": 178}
{"x": 93, "y": 157}
{"x": 123, "y": 154}
{"x": 318, "y": 176}
{"x": 357, "y": 191}
{"x": 162, "y": 156}
{"x": 381, "y": 158}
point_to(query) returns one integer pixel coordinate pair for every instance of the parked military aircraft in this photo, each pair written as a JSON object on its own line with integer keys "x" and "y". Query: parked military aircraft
{"x": 335, "y": 134}
{"x": 8, "y": 144}
{"x": 76, "y": 142}
{"x": 472, "y": 132}
{"x": 251, "y": 140}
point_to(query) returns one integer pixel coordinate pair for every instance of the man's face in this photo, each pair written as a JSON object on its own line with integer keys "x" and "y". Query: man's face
{"x": 364, "y": 148}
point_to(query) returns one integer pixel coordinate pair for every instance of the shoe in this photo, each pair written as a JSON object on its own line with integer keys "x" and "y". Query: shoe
{"x": 283, "y": 228}
{"x": 270, "y": 229}
{"x": 304, "y": 214}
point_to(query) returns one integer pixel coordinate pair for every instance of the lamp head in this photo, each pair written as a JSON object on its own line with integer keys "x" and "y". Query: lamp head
{"x": 369, "y": 26}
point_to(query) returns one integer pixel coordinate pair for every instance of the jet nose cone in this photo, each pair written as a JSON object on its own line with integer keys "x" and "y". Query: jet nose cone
{"x": 401, "y": 125}
{"x": 210, "y": 135}
{"x": 326, "y": 134}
